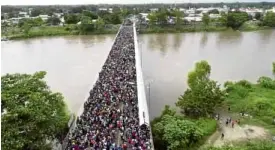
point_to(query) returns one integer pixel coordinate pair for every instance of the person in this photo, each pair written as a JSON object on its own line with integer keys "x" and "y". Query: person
{"x": 226, "y": 123}
{"x": 111, "y": 111}
{"x": 222, "y": 137}
{"x": 233, "y": 122}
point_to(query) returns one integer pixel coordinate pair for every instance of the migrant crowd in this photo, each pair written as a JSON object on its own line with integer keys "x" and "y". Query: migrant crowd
{"x": 110, "y": 119}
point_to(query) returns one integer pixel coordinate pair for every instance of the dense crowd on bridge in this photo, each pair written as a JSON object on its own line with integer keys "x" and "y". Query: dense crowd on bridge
{"x": 110, "y": 119}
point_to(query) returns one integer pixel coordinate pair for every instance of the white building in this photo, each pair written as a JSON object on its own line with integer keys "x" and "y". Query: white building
{"x": 189, "y": 19}
{"x": 154, "y": 9}
{"x": 214, "y": 16}
{"x": 23, "y": 14}
{"x": 15, "y": 20}
{"x": 103, "y": 9}
{"x": 44, "y": 17}
{"x": 110, "y": 10}
{"x": 190, "y": 11}
{"x": 59, "y": 15}
{"x": 271, "y": 10}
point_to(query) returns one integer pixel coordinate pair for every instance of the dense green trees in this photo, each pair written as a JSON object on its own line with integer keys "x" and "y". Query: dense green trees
{"x": 203, "y": 94}
{"x": 171, "y": 131}
{"x": 258, "y": 15}
{"x": 179, "y": 15}
{"x": 53, "y": 21}
{"x": 269, "y": 19}
{"x": 236, "y": 19}
{"x": 89, "y": 14}
{"x": 205, "y": 19}
{"x": 71, "y": 19}
{"x": 35, "y": 12}
{"x": 31, "y": 113}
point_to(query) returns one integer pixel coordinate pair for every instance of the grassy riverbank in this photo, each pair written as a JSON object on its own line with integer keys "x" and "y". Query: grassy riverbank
{"x": 180, "y": 29}
{"x": 54, "y": 31}
{"x": 15, "y": 33}
{"x": 256, "y": 100}
{"x": 189, "y": 28}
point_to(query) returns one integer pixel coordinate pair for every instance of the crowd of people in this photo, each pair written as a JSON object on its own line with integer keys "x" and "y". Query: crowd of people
{"x": 110, "y": 119}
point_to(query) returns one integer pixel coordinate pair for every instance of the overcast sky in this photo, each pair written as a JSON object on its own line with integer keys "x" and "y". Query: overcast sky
{"x": 72, "y": 2}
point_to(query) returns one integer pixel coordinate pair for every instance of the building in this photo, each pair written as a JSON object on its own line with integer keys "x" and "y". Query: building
{"x": 214, "y": 16}
{"x": 110, "y": 10}
{"x": 22, "y": 14}
{"x": 58, "y": 15}
{"x": 44, "y": 17}
{"x": 153, "y": 9}
{"x": 103, "y": 9}
{"x": 196, "y": 19}
{"x": 271, "y": 10}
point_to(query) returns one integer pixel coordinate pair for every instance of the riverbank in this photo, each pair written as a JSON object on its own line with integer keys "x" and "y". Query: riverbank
{"x": 183, "y": 29}
{"x": 56, "y": 31}
{"x": 70, "y": 30}
{"x": 256, "y": 101}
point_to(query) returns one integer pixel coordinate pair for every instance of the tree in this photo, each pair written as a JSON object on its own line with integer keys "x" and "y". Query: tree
{"x": 26, "y": 28}
{"x": 37, "y": 21}
{"x": 214, "y": 11}
{"x": 86, "y": 25}
{"x": 269, "y": 19}
{"x": 89, "y": 14}
{"x": 178, "y": 14}
{"x": 250, "y": 17}
{"x": 152, "y": 18}
{"x": 53, "y": 21}
{"x": 115, "y": 19}
{"x": 100, "y": 24}
{"x": 31, "y": 113}
{"x": 203, "y": 94}
{"x": 172, "y": 131}
{"x": 223, "y": 19}
{"x": 125, "y": 12}
{"x": 236, "y": 19}
{"x": 258, "y": 15}
{"x": 35, "y": 12}
{"x": 205, "y": 19}
{"x": 71, "y": 19}
{"x": 162, "y": 16}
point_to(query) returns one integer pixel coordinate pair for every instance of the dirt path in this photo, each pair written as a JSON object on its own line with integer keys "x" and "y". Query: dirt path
{"x": 236, "y": 133}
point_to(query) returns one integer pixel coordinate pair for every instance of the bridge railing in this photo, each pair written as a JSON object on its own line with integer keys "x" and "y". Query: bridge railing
{"x": 142, "y": 102}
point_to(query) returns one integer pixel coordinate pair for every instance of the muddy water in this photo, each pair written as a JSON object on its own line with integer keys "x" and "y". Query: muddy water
{"x": 167, "y": 59}
{"x": 72, "y": 63}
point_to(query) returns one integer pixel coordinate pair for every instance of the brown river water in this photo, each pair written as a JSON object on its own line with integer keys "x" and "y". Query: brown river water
{"x": 72, "y": 62}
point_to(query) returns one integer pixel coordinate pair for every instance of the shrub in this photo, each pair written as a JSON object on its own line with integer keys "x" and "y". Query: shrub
{"x": 244, "y": 83}
{"x": 266, "y": 82}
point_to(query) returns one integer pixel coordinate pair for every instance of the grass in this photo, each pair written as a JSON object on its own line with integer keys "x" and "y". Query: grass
{"x": 179, "y": 29}
{"x": 249, "y": 145}
{"x": 54, "y": 31}
{"x": 255, "y": 100}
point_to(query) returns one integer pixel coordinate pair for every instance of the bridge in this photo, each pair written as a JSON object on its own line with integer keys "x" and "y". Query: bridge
{"x": 137, "y": 83}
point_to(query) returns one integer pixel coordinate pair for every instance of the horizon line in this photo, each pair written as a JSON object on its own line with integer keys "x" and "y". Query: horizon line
{"x": 134, "y": 3}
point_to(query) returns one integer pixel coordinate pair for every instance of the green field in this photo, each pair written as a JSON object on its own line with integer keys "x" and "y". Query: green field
{"x": 257, "y": 100}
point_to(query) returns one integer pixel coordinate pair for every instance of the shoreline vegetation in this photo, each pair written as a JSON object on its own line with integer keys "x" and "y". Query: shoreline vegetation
{"x": 161, "y": 21}
{"x": 49, "y": 31}
{"x": 205, "y": 107}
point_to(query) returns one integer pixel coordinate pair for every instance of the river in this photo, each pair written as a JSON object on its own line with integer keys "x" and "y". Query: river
{"x": 72, "y": 63}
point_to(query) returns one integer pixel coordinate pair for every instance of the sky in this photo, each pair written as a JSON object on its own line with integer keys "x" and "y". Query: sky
{"x": 74, "y": 2}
